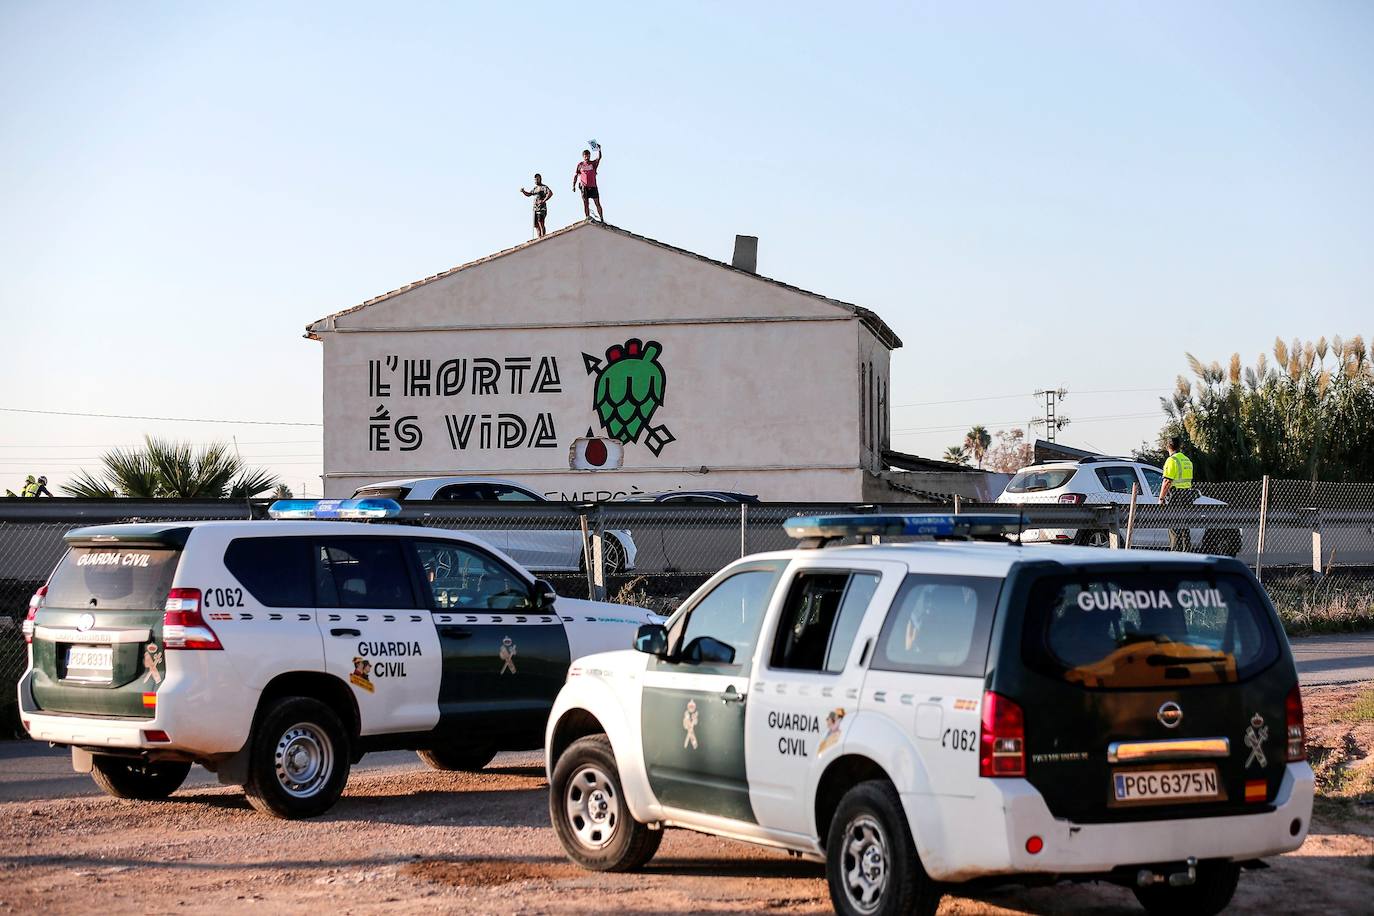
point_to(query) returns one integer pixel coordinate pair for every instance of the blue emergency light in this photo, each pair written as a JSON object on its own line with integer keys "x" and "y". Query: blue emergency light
{"x": 371, "y": 507}
{"x": 923, "y": 524}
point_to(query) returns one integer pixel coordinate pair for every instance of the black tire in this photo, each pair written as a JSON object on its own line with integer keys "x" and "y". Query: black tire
{"x": 1093, "y": 537}
{"x": 129, "y": 778}
{"x": 871, "y": 863}
{"x": 612, "y": 556}
{"x": 1216, "y": 885}
{"x": 458, "y": 759}
{"x": 589, "y": 814}
{"x": 1222, "y": 542}
{"x": 299, "y": 759}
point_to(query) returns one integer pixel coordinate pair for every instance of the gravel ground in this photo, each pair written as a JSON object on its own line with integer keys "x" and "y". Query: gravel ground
{"x": 417, "y": 841}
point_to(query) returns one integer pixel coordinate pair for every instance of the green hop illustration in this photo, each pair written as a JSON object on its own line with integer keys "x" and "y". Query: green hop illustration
{"x": 629, "y": 388}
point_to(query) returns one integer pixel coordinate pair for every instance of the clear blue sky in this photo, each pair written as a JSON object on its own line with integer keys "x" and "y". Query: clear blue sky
{"x": 1030, "y": 194}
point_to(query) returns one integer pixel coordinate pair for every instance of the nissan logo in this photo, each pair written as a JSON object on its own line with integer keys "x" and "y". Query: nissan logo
{"x": 1170, "y": 714}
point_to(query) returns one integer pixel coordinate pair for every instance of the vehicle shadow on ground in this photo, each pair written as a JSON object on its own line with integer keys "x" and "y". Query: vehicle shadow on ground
{"x": 531, "y": 772}
{"x": 734, "y": 868}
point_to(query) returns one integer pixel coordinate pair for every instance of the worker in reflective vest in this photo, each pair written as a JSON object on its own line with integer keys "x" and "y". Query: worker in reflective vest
{"x": 1178, "y": 489}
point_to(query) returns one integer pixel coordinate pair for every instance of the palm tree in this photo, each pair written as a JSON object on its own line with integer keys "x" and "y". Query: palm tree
{"x": 977, "y": 441}
{"x": 282, "y": 492}
{"x": 956, "y": 454}
{"x": 162, "y": 468}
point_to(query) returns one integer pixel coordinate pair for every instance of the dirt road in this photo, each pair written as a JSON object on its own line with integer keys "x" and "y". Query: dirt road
{"x": 412, "y": 841}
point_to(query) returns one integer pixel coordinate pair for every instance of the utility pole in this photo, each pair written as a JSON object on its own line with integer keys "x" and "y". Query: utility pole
{"x": 1052, "y": 421}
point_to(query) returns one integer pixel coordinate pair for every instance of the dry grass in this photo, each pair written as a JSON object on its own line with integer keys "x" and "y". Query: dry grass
{"x": 1340, "y": 743}
{"x": 636, "y": 592}
{"x": 1333, "y": 604}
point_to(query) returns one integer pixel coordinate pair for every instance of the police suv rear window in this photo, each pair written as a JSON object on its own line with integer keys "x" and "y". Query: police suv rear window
{"x": 1158, "y": 629}
{"x": 1031, "y": 481}
{"x": 113, "y": 578}
{"x": 939, "y": 625}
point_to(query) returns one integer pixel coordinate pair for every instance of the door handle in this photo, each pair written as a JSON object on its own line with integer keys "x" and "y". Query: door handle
{"x": 345, "y": 631}
{"x": 731, "y": 695}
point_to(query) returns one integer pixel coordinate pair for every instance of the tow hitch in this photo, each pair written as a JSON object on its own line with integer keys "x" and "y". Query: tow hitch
{"x": 1146, "y": 877}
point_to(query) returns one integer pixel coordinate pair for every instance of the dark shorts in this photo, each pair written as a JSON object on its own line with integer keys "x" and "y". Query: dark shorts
{"x": 540, "y": 213}
{"x": 590, "y": 193}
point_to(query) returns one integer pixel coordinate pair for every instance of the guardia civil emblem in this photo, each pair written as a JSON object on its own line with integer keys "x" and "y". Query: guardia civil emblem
{"x": 628, "y": 390}
{"x": 1255, "y": 736}
{"x": 690, "y": 718}
{"x": 507, "y": 652}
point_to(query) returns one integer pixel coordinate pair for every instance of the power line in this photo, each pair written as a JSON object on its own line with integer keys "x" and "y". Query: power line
{"x": 121, "y": 416}
{"x": 964, "y": 426}
{"x": 1009, "y": 397}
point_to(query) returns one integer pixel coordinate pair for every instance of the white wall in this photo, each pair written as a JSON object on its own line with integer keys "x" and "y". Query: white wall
{"x": 760, "y": 380}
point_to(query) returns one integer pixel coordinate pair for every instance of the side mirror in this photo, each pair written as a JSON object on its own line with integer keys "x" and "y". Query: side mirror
{"x": 652, "y": 639}
{"x": 543, "y": 596}
{"x": 709, "y": 651}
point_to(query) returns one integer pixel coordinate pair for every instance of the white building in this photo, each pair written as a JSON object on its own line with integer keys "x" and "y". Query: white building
{"x": 735, "y": 381}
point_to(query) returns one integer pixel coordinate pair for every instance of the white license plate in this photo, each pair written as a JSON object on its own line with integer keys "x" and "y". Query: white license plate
{"x": 90, "y": 663}
{"x": 1166, "y": 785}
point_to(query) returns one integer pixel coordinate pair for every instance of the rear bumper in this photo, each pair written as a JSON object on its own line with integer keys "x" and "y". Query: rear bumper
{"x": 1013, "y": 811}
{"x": 197, "y": 727}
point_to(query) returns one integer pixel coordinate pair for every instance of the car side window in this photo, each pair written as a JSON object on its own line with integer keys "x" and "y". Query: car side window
{"x": 463, "y": 578}
{"x": 1153, "y": 479}
{"x": 938, "y": 625}
{"x": 505, "y": 494}
{"x": 731, "y": 614}
{"x": 463, "y": 492}
{"x": 363, "y": 573}
{"x": 276, "y": 571}
{"x": 1117, "y": 479}
{"x": 819, "y": 620}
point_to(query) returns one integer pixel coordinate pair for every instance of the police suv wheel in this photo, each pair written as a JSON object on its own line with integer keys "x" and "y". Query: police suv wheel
{"x": 129, "y": 778}
{"x": 1213, "y": 890}
{"x": 589, "y": 814}
{"x": 870, "y": 859}
{"x": 299, "y": 759}
{"x": 469, "y": 759}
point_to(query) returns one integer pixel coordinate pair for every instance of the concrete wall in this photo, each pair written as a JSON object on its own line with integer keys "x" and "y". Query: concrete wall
{"x": 760, "y": 392}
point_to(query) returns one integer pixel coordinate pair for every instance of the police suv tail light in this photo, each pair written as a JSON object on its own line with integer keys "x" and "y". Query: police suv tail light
{"x": 1002, "y": 738}
{"x": 1073, "y": 499}
{"x": 35, "y": 603}
{"x": 1297, "y": 733}
{"x": 182, "y": 625}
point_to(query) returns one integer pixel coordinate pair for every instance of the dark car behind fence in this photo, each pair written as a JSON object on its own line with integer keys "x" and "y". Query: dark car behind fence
{"x": 1313, "y": 543}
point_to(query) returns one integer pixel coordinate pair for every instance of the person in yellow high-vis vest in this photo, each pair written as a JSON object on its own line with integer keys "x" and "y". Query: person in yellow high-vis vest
{"x": 1177, "y": 488}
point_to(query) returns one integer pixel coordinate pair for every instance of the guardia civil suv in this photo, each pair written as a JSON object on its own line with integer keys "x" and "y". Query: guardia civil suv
{"x": 923, "y": 714}
{"x": 277, "y": 653}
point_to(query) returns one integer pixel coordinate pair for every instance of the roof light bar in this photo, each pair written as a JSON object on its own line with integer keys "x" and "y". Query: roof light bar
{"x": 927, "y": 524}
{"x": 369, "y": 507}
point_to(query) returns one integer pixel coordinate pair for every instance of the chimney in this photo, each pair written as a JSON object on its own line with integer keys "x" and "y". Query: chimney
{"x": 746, "y": 253}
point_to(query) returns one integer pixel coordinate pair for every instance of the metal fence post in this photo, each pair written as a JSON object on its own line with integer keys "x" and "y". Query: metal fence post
{"x": 599, "y": 554}
{"x": 1130, "y": 515}
{"x": 744, "y": 529}
{"x": 1316, "y": 542}
{"x": 1263, "y": 520}
{"x": 1114, "y": 538}
{"x": 588, "y": 554}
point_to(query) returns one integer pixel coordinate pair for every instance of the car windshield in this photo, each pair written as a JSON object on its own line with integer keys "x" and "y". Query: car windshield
{"x": 1032, "y": 480}
{"x": 1136, "y": 630}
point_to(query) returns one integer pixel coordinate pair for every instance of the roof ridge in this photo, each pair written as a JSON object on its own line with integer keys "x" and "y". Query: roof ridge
{"x": 870, "y": 319}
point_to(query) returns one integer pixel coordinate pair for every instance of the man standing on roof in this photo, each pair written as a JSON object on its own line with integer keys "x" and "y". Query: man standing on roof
{"x": 541, "y": 194}
{"x": 36, "y": 488}
{"x": 1178, "y": 487}
{"x": 584, "y": 177}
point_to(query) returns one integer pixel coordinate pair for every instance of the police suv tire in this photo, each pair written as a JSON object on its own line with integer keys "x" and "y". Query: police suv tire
{"x": 871, "y": 863}
{"x": 1215, "y": 886}
{"x": 458, "y": 759}
{"x": 589, "y": 813}
{"x": 299, "y": 759}
{"x": 127, "y": 778}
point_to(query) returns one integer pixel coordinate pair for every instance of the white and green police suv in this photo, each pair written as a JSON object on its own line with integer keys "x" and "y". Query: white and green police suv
{"x": 924, "y": 714}
{"x": 277, "y": 652}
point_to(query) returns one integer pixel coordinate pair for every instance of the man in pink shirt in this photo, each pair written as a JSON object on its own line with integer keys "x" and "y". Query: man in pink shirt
{"x": 584, "y": 177}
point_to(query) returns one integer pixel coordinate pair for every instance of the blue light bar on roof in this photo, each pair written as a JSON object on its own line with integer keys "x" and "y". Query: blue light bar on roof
{"x": 370, "y": 507}
{"x": 926, "y": 524}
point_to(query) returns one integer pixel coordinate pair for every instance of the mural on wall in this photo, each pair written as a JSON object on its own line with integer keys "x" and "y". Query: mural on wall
{"x": 628, "y": 390}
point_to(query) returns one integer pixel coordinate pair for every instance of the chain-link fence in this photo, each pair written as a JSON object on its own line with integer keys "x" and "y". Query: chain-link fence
{"x": 1312, "y": 543}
